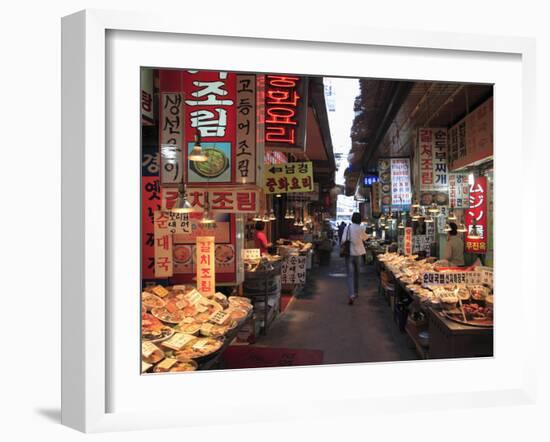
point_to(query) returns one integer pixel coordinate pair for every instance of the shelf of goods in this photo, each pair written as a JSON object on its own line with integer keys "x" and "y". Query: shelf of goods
{"x": 455, "y": 304}
{"x": 182, "y": 330}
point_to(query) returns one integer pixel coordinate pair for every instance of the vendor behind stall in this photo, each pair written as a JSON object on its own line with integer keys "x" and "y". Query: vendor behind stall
{"x": 454, "y": 249}
{"x": 260, "y": 239}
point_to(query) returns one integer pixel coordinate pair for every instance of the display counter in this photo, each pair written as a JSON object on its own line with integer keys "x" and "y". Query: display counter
{"x": 443, "y": 321}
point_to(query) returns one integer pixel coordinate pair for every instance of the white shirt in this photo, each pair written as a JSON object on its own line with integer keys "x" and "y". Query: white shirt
{"x": 356, "y": 237}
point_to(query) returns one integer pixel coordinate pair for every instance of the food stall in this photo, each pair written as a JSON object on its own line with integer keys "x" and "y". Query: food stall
{"x": 182, "y": 330}
{"x": 447, "y": 312}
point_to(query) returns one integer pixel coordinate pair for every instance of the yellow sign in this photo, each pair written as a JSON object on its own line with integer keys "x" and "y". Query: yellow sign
{"x": 206, "y": 266}
{"x": 288, "y": 178}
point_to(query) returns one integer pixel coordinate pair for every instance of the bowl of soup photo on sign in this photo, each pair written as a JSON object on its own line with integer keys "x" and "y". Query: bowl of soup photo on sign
{"x": 216, "y": 163}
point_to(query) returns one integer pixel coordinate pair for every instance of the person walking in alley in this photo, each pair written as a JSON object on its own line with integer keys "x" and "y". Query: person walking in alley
{"x": 355, "y": 234}
{"x": 341, "y": 228}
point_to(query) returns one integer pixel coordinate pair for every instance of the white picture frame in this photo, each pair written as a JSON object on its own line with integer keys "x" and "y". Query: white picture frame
{"x": 91, "y": 315}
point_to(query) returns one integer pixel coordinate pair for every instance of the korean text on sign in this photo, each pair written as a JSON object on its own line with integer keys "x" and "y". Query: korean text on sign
{"x": 477, "y": 215}
{"x": 206, "y": 266}
{"x": 288, "y": 178}
{"x": 282, "y": 103}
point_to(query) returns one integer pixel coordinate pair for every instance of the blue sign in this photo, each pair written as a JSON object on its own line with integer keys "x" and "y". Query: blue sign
{"x": 371, "y": 179}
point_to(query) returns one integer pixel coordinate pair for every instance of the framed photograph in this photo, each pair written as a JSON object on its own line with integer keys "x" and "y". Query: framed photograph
{"x": 129, "y": 277}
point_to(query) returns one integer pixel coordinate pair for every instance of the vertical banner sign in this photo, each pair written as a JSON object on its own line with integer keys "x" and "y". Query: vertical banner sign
{"x": 477, "y": 212}
{"x": 245, "y": 168}
{"x": 293, "y": 270}
{"x": 150, "y": 202}
{"x": 210, "y": 110}
{"x": 408, "y": 241}
{"x": 401, "y": 182}
{"x": 164, "y": 264}
{"x": 375, "y": 199}
{"x": 433, "y": 159}
{"x": 146, "y": 97}
{"x": 171, "y": 138}
{"x": 384, "y": 170}
{"x": 459, "y": 191}
{"x": 206, "y": 273}
{"x": 285, "y": 111}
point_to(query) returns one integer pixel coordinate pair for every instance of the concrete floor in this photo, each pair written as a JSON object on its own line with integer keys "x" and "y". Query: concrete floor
{"x": 320, "y": 318}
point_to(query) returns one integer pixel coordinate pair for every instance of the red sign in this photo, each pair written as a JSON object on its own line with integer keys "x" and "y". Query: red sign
{"x": 285, "y": 102}
{"x": 478, "y": 213}
{"x": 407, "y": 246}
{"x": 211, "y": 109}
{"x": 241, "y": 199}
{"x": 151, "y": 202}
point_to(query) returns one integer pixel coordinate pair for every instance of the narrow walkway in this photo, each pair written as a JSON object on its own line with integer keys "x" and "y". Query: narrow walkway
{"x": 320, "y": 318}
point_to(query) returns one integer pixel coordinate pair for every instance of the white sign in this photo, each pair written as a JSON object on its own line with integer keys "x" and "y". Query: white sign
{"x": 293, "y": 270}
{"x": 251, "y": 254}
{"x": 444, "y": 278}
{"x": 171, "y": 138}
{"x": 400, "y": 182}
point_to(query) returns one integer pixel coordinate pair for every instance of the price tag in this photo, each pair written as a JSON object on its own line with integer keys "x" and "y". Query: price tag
{"x": 180, "y": 287}
{"x": 219, "y": 317}
{"x": 181, "y": 305}
{"x": 167, "y": 363}
{"x": 160, "y": 291}
{"x": 145, "y": 366}
{"x": 148, "y": 348}
{"x": 251, "y": 254}
{"x": 193, "y": 297}
{"x": 207, "y": 328}
{"x": 200, "y": 344}
{"x": 178, "y": 340}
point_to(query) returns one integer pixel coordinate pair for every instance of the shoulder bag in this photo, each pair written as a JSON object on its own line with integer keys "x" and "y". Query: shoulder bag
{"x": 345, "y": 246}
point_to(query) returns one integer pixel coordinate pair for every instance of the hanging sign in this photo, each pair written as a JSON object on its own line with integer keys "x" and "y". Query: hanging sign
{"x": 151, "y": 202}
{"x": 146, "y": 96}
{"x": 288, "y": 178}
{"x": 432, "y": 144}
{"x": 408, "y": 245}
{"x": 245, "y": 167}
{"x": 421, "y": 243}
{"x": 293, "y": 270}
{"x": 459, "y": 191}
{"x": 233, "y": 199}
{"x": 206, "y": 271}
{"x": 400, "y": 182}
{"x": 477, "y": 212}
{"x": 210, "y": 110}
{"x": 375, "y": 198}
{"x": 471, "y": 139}
{"x": 384, "y": 170}
{"x": 171, "y": 138}
{"x": 285, "y": 111}
{"x": 163, "y": 246}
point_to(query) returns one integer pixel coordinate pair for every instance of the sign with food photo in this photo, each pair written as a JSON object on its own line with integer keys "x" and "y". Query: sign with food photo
{"x": 217, "y": 167}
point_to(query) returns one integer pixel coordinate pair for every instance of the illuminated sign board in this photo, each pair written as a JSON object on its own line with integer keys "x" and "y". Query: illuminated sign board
{"x": 285, "y": 111}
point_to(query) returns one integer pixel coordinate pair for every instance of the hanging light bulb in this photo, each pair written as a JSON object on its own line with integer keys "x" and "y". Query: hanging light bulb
{"x": 433, "y": 208}
{"x": 447, "y": 227}
{"x": 208, "y": 219}
{"x": 182, "y": 205}
{"x": 462, "y": 227}
{"x": 257, "y": 217}
{"x": 428, "y": 218}
{"x": 265, "y": 218}
{"x": 415, "y": 204}
{"x": 196, "y": 153}
{"x": 401, "y": 225}
{"x": 451, "y": 216}
{"x": 278, "y": 195}
{"x": 272, "y": 216}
